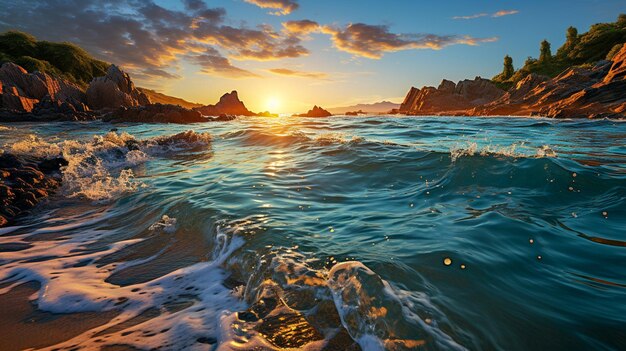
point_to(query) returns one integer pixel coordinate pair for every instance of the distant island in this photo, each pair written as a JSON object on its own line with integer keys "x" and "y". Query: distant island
{"x": 586, "y": 78}
{"x": 374, "y": 108}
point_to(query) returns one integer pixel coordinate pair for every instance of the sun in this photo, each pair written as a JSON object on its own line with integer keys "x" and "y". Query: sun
{"x": 272, "y": 104}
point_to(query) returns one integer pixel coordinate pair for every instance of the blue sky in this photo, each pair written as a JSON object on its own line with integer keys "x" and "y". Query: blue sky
{"x": 321, "y": 71}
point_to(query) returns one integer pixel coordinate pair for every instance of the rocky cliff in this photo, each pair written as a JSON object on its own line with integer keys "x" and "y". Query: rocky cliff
{"x": 583, "y": 91}
{"x": 114, "y": 90}
{"x": 39, "y": 96}
{"x": 449, "y": 97}
{"x": 229, "y": 104}
{"x": 588, "y": 91}
{"x": 22, "y": 91}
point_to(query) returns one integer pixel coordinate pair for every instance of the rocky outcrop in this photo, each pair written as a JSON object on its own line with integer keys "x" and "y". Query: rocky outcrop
{"x": 156, "y": 113}
{"x": 316, "y": 111}
{"x": 598, "y": 91}
{"x": 450, "y": 97}
{"x": 229, "y": 104}
{"x": 114, "y": 90}
{"x": 580, "y": 91}
{"x": 21, "y": 91}
{"x": 24, "y": 182}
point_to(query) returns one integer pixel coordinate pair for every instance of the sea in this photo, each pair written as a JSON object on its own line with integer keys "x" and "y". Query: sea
{"x": 339, "y": 233}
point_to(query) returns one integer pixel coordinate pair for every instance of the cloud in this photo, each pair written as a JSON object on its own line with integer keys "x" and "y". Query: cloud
{"x": 478, "y": 15}
{"x": 147, "y": 39}
{"x": 282, "y": 7}
{"x": 157, "y": 72}
{"x": 483, "y": 14}
{"x": 504, "y": 13}
{"x": 373, "y": 42}
{"x": 213, "y": 63}
{"x": 301, "y": 74}
{"x": 301, "y": 27}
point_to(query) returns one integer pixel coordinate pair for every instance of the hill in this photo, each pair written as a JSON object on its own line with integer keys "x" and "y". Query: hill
{"x": 161, "y": 98}
{"x": 378, "y": 107}
{"x": 65, "y": 60}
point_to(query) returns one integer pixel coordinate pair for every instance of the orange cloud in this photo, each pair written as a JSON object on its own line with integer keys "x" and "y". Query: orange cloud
{"x": 148, "y": 39}
{"x": 300, "y": 74}
{"x": 504, "y": 13}
{"x": 301, "y": 27}
{"x": 282, "y": 7}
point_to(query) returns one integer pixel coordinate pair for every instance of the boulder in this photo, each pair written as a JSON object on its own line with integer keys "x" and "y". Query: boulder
{"x": 24, "y": 182}
{"x": 114, "y": 90}
{"x": 229, "y": 104}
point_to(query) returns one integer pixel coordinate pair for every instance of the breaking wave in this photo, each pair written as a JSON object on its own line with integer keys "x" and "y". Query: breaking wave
{"x": 101, "y": 168}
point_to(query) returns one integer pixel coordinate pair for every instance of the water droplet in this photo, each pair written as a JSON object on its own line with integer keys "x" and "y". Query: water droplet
{"x": 447, "y": 261}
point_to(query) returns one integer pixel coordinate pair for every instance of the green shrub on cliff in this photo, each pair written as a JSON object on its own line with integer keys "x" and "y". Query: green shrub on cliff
{"x": 579, "y": 49}
{"x": 64, "y": 59}
{"x": 614, "y": 51}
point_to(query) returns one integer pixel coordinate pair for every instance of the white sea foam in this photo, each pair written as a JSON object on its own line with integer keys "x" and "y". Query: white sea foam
{"x": 101, "y": 168}
{"x": 166, "y": 224}
{"x": 69, "y": 287}
{"x": 513, "y": 150}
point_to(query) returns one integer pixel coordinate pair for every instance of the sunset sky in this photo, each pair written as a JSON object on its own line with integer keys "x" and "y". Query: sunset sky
{"x": 286, "y": 55}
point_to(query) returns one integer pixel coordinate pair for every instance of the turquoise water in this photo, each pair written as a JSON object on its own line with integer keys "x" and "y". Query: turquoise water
{"x": 421, "y": 233}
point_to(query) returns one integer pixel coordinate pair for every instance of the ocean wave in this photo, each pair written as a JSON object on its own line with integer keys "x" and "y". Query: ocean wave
{"x": 101, "y": 168}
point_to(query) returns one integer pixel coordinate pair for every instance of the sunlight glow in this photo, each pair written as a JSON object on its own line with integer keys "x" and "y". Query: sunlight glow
{"x": 272, "y": 104}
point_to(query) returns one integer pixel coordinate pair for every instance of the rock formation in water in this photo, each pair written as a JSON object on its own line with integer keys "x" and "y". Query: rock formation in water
{"x": 355, "y": 113}
{"x": 316, "y": 111}
{"x": 229, "y": 104}
{"x": 24, "y": 182}
{"x": 114, "y": 90}
{"x": 155, "y": 113}
{"x": 450, "y": 97}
